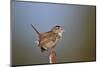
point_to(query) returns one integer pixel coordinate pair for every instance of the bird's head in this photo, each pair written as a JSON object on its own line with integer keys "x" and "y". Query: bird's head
{"x": 57, "y": 29}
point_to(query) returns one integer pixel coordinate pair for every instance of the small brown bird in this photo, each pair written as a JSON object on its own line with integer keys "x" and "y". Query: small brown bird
{"x": 48, "y": 40}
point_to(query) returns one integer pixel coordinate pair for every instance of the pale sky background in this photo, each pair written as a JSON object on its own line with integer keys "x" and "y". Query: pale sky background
{"x": 78, "y": 41}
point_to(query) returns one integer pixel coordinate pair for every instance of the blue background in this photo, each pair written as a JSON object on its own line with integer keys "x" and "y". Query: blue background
{"x": 78, "y": 41}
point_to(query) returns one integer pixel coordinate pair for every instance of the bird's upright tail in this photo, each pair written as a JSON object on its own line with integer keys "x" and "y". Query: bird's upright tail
{"x": 35, "y": 29}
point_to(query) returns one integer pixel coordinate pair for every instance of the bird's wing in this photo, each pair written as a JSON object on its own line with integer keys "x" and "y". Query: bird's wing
{"x": 47, "y": 38}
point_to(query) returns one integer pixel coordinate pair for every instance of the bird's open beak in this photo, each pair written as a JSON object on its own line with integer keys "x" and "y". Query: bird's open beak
{"x": 62, "y": 29}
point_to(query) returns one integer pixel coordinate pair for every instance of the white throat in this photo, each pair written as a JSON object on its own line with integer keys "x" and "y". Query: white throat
{"x": 60, "y": 34}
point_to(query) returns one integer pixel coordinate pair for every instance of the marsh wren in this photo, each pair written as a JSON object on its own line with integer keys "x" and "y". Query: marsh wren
{"x": 48, "y": 40}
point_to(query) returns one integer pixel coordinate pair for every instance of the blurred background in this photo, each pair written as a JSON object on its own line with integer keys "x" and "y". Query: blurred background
{"x": 78, "y": 41}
